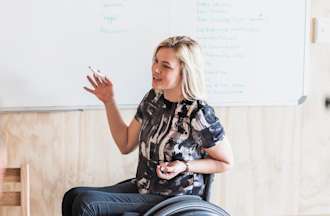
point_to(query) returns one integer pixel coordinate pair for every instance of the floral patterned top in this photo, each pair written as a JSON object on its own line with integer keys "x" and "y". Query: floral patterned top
{"x": 173, "y": 131}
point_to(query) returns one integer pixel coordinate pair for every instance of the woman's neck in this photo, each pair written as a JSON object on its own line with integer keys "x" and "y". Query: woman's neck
{"x": 173, "y": 96}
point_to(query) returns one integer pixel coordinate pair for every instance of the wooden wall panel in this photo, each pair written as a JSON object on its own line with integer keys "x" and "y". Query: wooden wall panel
{"x": 264, "y": 180}
{"x": 64, "y": 149}
{"x": 314, "y": 196}
{"x": 42, "y": 140}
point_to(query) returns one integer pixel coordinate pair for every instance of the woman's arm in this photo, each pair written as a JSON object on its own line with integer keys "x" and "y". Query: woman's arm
{"x": 126, "y": 137}
{"x": 220, "y": 159}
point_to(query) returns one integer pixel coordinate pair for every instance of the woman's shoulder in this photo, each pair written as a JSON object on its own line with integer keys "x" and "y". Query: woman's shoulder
{"x": 150, "y": 95}
{"x": 201, "y": 108}
{"x": 151, "y": 92}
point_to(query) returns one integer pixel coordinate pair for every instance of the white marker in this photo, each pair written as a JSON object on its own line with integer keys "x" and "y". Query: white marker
{"x": 90, "y": 67}
{"x": 98, "y": 72}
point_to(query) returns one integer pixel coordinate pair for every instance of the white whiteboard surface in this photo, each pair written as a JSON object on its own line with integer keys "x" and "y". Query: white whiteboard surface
{"x": 254, "y": 50}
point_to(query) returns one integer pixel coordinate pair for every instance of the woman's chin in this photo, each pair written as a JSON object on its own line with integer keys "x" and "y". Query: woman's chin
{"x": 156, "y": 87}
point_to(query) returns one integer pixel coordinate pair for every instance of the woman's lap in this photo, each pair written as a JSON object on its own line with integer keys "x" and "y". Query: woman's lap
{"x": 104, "y": 203}
{"x": 115, "y": 199}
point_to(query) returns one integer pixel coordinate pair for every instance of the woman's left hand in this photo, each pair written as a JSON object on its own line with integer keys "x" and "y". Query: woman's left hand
{"x": 168, "y": 170}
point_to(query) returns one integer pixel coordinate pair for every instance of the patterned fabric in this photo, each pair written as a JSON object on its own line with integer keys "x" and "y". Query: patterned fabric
{"x": 173, "y": 131}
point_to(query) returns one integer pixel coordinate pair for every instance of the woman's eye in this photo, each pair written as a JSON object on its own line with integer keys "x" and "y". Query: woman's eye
{"x": 165, "y": 66}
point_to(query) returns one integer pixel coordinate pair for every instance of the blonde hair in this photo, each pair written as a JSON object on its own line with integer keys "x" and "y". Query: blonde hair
{"x": 189, "y": 54}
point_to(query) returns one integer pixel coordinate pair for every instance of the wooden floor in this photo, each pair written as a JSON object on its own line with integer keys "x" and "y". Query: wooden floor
{"x": 282, "y": 153}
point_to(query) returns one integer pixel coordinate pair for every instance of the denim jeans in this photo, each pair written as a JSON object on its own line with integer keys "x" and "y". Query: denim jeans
{"x": 112, "y": 200}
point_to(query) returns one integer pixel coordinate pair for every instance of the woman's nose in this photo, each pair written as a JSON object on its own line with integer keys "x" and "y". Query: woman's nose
{"x": 157, "y": 70}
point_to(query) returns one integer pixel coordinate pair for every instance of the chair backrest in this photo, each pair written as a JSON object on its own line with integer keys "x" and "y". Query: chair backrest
{"x": 208, "y": 180}
{"x": 18, "y": 196}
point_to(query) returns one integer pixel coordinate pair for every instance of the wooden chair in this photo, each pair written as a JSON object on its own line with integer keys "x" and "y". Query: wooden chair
{"x": 20, "y": 195}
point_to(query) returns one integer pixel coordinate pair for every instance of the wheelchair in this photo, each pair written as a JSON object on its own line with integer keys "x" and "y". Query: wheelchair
{"x": 185, "y": 205}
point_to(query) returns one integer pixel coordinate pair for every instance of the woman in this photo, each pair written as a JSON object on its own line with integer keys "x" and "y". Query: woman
{"x": 178, "y": 135}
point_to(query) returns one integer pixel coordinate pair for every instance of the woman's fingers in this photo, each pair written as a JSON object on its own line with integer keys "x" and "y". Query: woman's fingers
{"x": 158, "y": 171}
{"x": 89, "y": 90}
{"x": 167, "y": 167}
{"x": 107, "y": 80}
{"x": 103, "y": 78}
{"x": 97, "y": 79}
{"x": 170, "y": 169}
{"x": 100, "y": 78}
{"x": 104, "y": 81}
{"x": 162, "y": 173}
{"x": 91, "y": 81}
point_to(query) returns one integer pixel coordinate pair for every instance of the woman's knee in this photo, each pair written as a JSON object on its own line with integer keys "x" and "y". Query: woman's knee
{"x": 73, "y": 192}
{"x": 82, "y": 202}
{"x": 70, "y": 196}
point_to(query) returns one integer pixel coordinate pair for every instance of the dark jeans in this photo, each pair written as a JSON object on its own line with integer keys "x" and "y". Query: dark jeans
{"x": 112, "y": 200}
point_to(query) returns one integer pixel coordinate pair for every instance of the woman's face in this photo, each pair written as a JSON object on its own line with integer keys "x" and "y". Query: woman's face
{"x": 166, "y": 71}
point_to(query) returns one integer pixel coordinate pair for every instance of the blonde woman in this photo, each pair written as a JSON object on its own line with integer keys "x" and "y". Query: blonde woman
{"x": 177, "y": 132}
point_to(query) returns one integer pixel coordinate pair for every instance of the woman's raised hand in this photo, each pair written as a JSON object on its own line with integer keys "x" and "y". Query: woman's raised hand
{"x": 103, "y": 88}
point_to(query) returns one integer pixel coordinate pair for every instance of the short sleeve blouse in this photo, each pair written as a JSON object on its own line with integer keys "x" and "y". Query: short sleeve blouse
{"x": 174, "y": 131}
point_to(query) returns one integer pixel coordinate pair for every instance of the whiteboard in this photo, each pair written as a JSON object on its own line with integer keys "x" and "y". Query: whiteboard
{"x": 255, "y": 51}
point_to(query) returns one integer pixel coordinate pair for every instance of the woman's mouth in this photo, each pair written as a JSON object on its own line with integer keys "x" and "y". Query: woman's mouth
{"x": 157, "y": 79}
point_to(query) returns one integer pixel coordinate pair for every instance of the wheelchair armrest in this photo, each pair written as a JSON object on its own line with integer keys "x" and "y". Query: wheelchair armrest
{"x": 127, "y": 180}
